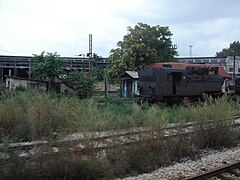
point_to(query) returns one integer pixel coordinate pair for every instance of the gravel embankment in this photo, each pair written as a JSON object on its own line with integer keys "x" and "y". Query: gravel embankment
{"x": 208, "y": 160}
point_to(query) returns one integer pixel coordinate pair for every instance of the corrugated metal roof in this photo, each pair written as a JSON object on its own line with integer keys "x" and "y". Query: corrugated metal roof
{"x": 133, "y": 74}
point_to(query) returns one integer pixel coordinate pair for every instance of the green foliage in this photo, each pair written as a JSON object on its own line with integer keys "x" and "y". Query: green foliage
{"x": 97, "y": 71}
{"x": 142, "y": 46}
{"x": 20, "y": 88}
{"x": 61, "y": 165}
{"x": 29, "y": 115}
{"x": 233, "y": 50}
{"x": 214, "y": 128}
{"x": 33, "y": 115}
{"x": 82, "y": 83}
{"x": 47, "y": 65}
{"x": 2, "y": 88}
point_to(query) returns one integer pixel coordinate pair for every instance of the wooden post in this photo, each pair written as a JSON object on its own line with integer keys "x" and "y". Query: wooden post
{"x": 106, "y": 87}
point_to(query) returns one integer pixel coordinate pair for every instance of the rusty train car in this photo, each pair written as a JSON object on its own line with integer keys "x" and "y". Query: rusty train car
{"x": 177, "y": 82}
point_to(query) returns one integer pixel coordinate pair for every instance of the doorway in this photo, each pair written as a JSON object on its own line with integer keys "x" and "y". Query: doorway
{"x": 176, "y": 78}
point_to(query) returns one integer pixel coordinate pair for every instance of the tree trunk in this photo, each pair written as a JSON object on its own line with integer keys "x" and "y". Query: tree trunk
{"x": 50, "y": 82}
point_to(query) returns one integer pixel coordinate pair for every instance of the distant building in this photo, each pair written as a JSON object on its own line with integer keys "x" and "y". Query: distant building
{"x": 21, "y": 66}
{"x": 13, "y": 82}
{"x": 129, "y": 83}
{"x": 59, "y": 85}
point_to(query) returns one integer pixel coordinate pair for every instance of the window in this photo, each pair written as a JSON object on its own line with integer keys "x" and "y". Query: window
{"x": 214, "y": 61}
{"x": 230, "y": 69}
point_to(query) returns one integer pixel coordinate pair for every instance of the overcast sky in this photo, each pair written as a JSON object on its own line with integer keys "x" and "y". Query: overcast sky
{"x": 63, "y": 26}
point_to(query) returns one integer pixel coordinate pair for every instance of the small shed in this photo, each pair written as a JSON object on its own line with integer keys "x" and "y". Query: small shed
{"x": 59, "y": 85}
{"x": 129, "y": 83}
{"x": 13, "y": 82}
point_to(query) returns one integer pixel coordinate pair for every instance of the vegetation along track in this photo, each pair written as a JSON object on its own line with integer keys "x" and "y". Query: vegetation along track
{"x": 104, "y": 140}
{"x": 228, "y": 172}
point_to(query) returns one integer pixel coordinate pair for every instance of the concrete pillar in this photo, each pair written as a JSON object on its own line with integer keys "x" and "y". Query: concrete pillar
{"x": 1, "y": 73}
{"x": 15, "y": 72}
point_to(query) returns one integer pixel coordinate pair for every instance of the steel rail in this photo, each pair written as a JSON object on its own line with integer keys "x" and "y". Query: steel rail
{"x": 218, "y": 172}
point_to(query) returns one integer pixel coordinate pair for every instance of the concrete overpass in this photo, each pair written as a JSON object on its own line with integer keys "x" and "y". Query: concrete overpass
{"x": 20, "y": 66}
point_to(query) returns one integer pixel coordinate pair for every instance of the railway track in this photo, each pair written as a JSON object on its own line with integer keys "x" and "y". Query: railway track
{"x": 170, "y": 129}
{"x": 105, "y": 140}
{"x": 91, "y": 144}
{"x": 228, "y": 172}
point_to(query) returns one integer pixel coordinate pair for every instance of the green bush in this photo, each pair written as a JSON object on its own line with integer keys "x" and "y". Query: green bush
{"x": 82, "y": 83}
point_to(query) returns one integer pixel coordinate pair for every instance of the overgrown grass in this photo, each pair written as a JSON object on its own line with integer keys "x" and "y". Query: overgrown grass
{"x": 32, "y": 115}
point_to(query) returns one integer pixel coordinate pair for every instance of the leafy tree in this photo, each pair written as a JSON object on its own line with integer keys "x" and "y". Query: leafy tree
{"x": 47, "y": 66}
{"x": 142, "y": 46}
{"x": 97, "y": 71}
{"x": 82, "y": 83}
{"x": 233, "y": 50}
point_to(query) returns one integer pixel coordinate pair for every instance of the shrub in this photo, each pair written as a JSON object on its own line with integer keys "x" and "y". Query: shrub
{"x": 83, "y": 83}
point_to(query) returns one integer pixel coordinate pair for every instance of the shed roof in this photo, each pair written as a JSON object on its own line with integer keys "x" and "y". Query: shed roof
{"x": 133, "y": 74}
{"x": 128, "y": 75}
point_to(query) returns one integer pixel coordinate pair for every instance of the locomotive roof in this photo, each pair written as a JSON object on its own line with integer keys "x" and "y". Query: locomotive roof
{"x": 175, "y": 65}
{"x": 170, "y": 70}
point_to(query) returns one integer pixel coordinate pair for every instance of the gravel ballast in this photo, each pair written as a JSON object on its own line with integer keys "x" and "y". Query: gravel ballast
{"x": 208, "y": 160}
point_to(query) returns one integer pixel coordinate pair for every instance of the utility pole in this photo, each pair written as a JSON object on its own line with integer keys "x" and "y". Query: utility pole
{"x": 234, "y": 67}
{"x": 30, "y": 68}
{"x": 89, "y": 54}
{"x": 190, "y": 51}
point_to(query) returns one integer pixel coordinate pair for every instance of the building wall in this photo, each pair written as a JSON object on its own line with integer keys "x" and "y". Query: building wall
{"x": 135, "y": 90}
{"x": 230, "y": 65}
{"x": 65, "y": 89}
{"x": 129, "y": 88}
{"x": 12, "y": 83}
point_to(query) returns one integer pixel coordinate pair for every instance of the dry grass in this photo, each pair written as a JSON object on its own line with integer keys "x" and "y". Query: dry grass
{"x": 33, "y": 115}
